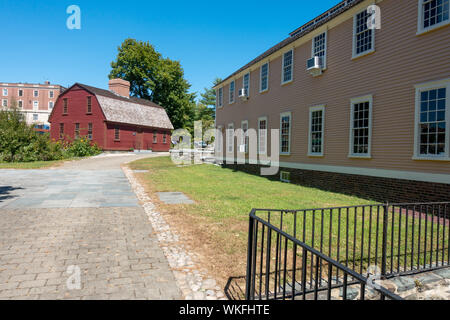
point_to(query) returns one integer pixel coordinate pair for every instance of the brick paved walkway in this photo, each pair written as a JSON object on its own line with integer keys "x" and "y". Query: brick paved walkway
{"x": 113, "y": 248}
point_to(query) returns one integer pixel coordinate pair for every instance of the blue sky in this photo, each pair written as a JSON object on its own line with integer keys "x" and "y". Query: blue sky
{"x": 210, "y": 38}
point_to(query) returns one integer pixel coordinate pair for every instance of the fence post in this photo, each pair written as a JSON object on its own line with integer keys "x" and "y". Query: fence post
{"x": 248, "y": 278}
{"x": 384, "y": 245}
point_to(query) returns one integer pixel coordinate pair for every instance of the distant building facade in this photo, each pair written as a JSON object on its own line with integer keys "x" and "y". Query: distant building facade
{"x": 110, "y": 118}
{"x": 35, "y": 101}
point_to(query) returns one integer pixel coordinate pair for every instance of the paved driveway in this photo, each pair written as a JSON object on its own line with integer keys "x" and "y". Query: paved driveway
{"x": 78, "y": 232}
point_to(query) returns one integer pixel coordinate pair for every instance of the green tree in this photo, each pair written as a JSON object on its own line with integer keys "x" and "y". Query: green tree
{"x": 155, "y": 78}
{"x": 209, "y": 95}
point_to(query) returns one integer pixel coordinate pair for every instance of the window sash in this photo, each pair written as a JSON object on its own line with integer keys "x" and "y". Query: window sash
{"x": 434, "y": 12}
{"x": 230, "y": 138}
{"x": 246, "y": 83}
{"x": 89, "y": 104}
{"x": 65, "y": 106}
{"x": 264, "y": 77}
{"x": 77, "y": 130}
{"x": 285, "y": 133}
{"x": 61, "y": 130}
{"x": 288, "y": 62}
{"x": 262, "y": 136}
{"x": 361, "y": 128}
{"x": 316, "y": 130}
{"x": 116, "y": 133}
{"x": 363, "y": 36}
{"x": 90, "y": 127}
{"x": 244, "y": 137}
{"x": 232, "y": 91}
{"x": 220, "y": 97}
{"x": 319, "y": 47}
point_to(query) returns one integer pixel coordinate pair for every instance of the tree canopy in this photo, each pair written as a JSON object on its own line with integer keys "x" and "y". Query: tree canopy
{"x": 155, "y": 78}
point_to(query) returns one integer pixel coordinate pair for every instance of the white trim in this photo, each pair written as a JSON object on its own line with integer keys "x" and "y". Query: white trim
{"x": 313, "y": 42}
{"x": 244, "y": 135}
{"x": 34, "y": 96}
{"x": 259, "y": 136}
{"x": 354, "y": 54}
{"x": 243, "y": 85}
{"x": 382, "y": 173}
{"x": 51, "y": 91}
{"x": 230, "y": 143}
{"x": 18, "y": 104}
{"x": 283, "y": 177}
{"x": 53, "y": 105}
{"x": 420, "y": 20}
{"x": 3, "y": 103}
{"x": 445, "y": 83}
{"x": 292, "y": 67}
{"x": 35, "y": 105}
{"x": 260, "y": 77}
{"x": 219, "y": 101}
{"x": 3, "y": 92}
{"x": 284, "y": 114}
{"x": 18, "y": 92}
{"x": 311, "y": 110}
{"x": 234, "y": 92}
{"x": 368, "y": 98}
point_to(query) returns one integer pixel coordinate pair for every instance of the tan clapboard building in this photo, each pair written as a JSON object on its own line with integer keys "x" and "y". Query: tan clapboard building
{"x": 360, "y": 110}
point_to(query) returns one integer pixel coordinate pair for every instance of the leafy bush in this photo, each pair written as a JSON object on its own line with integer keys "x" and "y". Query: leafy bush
{"x": 82, "y": 147}
{"x": 19, "y": 142}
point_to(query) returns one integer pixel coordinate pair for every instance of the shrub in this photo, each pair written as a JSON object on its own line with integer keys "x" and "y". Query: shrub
{"x": 82, "y": 147}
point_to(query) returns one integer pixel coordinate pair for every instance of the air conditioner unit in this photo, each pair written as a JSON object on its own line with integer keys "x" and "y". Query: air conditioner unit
{"x": 314, "y": 66}
{"x": 243, "y": 94}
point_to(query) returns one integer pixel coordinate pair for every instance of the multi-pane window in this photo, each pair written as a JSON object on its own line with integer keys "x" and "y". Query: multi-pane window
{"x": 218, "y": 141}
{"x": 230, "y": 138}
{"x": 36, "y": 93}
{"x": 61, "y": 130}
{"x": 262, "y": 136}
{"x": 232, "y": 91}
{"x": 319, "y": 47}
{"x": 434, "y": 12}
{"x": 264, "y": 77}
{"x": 35, "y": 117}
{"x": 35, "y": 105}
{"x": 288, "y": 60}
{"x": 51, "y": 94}
{"x": 65, "y": 106}
{"x": 20, "y": 93}
{"x": 246, "y": 84}
{"x": 363, "y": 36}
{"x": 90, "y": 131}
{"x": 285, "y": 133}
{"x": 285, "y": 176}
{"x": 316, "y": 130}
{"x": 432, "y": 122}
{"x": 220, "y": 97}
{"x": 20, "y": 104}
{"x": 244, "y": 137}
{"x": 77, "y": 130}
{"x": 5, "y": 92}
{"x": 89, "y": 104}
{"x": 164, "y": 138}
{"x": 155, "y": 137}
{"x": 117, "y": 133}
{"x": 5, "y": 103}
{"x": 361, "y": 128}
{"x": 50, "y": 105}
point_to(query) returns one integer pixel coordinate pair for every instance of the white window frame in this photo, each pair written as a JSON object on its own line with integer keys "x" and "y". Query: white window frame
{"x": 35, "y": 105}
{"x": 261, "y": 90}
{"x": 354, "y": 54}
{"x": 219, "y": 96}
{"x": 311, "y": 110}
{"x": 313, "y": 47}
{"x": 53, "y": 105}
{"x": 18, "y": 104}
{"x": 420, "y": 20}
{"x": 35, "y": 96}
{"x": 18, "y": 93}
{"x": 283, "y": 66}
{"x": 230, "y": 142}
{"x": 3, "y": 92}
{"x": 244, "y": 136}
{"x": 282, "y": 115}
{"x": 259, "y": 135}
{"x": 3, "y": 103}
{"x": 232, "y": 93}
{"x": 285, "y": 176}
{"x": 367, "y": 98}
{"x": 51, "y": 94}
{"x": 243, "y": 83}
{"x": 426, "y": 87}
{"x": 35, "y": 117}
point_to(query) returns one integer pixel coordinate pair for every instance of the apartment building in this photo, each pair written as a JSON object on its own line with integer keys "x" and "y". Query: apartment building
{"x": 35, "y": 101}
{"x": 361, "y": 110}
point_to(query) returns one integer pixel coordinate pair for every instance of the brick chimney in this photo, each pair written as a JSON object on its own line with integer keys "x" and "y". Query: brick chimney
{"x": 120, "y": 87}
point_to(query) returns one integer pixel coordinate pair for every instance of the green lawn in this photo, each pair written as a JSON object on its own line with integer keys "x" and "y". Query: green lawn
{"x": 29, "y": 165}
{"x": 218, "y": 221}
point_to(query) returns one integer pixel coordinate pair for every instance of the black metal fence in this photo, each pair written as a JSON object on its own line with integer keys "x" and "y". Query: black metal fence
{"x": 336, "y": 253}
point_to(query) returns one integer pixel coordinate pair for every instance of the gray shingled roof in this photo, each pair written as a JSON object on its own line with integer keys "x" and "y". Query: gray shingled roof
{"x": 131, "y": 110}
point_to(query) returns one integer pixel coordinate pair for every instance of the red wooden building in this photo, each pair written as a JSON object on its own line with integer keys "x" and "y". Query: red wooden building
{"x": 112, "y": 119}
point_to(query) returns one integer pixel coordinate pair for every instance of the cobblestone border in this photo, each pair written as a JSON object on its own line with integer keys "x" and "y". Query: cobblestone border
{"x": 192, "y": 281}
